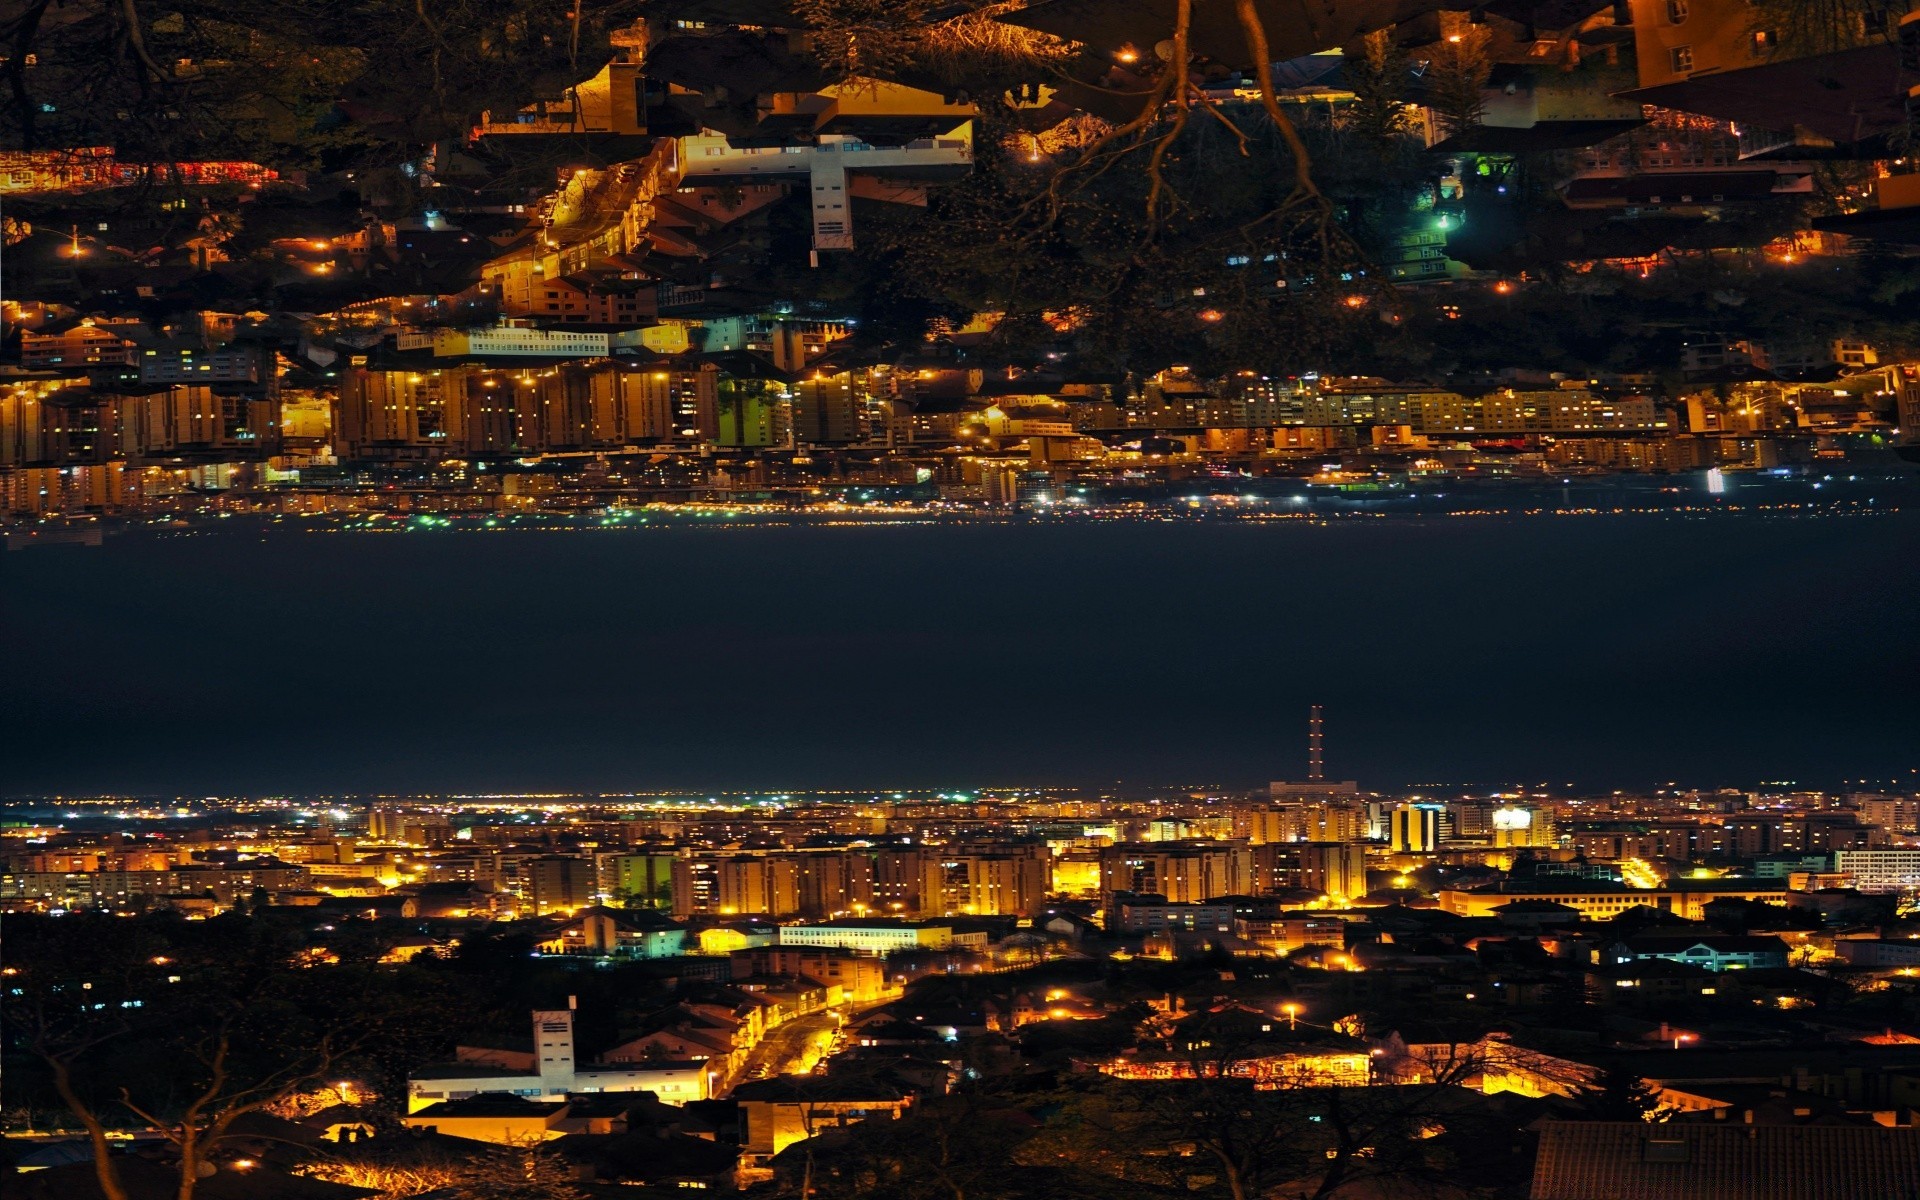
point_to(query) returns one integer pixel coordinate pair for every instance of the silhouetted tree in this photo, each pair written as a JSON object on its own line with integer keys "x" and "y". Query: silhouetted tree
{"x": 1617, "y": 1094}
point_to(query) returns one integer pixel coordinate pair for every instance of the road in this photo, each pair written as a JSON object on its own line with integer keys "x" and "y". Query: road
{"x": 791, "y": 1048}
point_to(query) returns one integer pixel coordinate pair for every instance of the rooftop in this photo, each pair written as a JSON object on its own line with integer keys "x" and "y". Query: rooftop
{"x": 1621, "y": 1160}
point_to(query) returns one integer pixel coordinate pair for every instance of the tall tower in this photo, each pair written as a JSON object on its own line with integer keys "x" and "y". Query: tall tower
{"x": 553, "y": 1048}
{"x": 1316, "y": 771}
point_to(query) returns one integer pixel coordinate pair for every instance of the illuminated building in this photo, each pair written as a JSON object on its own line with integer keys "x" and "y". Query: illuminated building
{"x": 1182, "y": 829}
{"x": 861, "y": 977}
{"x": 193, "y": 419}
{"x": 507, "y": 339}
{"x": 386, "y": 824}
{"x": 1414, "y": 829}
{"x": 836, "y": 167}
{"x": 832, "y": 409}
{"x": 1419, "y": 254}
{"x": 91, "y": 342}
{"x": 1076, "y": 874}
{"x": 637, "y": 880}
{"x": 1510, "y": 411}
{"x": 30, "y": 891}
{"x": 608, "y": 103}
{"x": 618, "y": 933}
{"x": 749, "y": 413}
{"x": 1880, "y": 870}
{"x": 992, "y": 884}
{"x": 498, "y": 1117}
{"x": 1714, "y": 952}
{"x": 869, "y": 937}
{"x": 1895, "y": 813}
{"x": 972, "y": 880}
{"x": 1599, "y": 902}
{"x": 1291, "y": 1069}
{"x": 550, "y": 1071}
{"x": 744, "y": 884}
{"x": 110, "y": 487}
{"x": 779, "y": 884}
{"x": 55, "y": 421}
{"x": 789, "y": 342}
{"x": 832, "y": 881}
{"x": 1155, "y": 914}
{"x": 776, "y": 1113}
{"x": 1338, "y": 870}
{"x": 557, "y": 883}
{"x": 1309, "y": 822}
{"x": 90, "y": 168}
{"x": 1835, "y": 79}
{"x": 1517, "y": 826}
{"x": 1183, "y": 873}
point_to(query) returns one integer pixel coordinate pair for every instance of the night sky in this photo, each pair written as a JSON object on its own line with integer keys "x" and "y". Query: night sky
{"x": 1604, "y": 651}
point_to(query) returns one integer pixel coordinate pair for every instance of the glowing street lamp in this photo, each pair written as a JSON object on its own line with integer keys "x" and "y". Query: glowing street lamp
{"x": 1292, "y": 1012}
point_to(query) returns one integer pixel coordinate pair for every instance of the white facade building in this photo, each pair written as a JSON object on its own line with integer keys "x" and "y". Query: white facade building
{"x": 711, "y": 159}
{"x": 551, "y": 1072}
{"x": 1879, "y": 870}
{"x": 506, "y": 340}
{"x": 878, "y": 938}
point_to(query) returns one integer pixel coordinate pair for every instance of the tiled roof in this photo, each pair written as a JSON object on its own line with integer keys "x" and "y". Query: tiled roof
{"x": 1631, "y": 1160}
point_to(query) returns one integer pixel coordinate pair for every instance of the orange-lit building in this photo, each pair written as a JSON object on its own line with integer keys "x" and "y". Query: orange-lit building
{"x": 90, "y": 168}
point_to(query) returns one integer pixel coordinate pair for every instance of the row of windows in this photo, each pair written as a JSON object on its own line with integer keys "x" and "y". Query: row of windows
{"x": 1762, "y": 43}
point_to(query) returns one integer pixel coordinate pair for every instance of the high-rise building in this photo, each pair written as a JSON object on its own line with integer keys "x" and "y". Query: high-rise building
{"x": 999, "y": 884}
{"x": 557, "y": 883}
{"x": 1896, "y": 814}
{"x": 767, "y": 885}
{"x": 1414, "y": 829}
{"x": 762, "y": 885}
{"x": 1315, "y": 821}
{"x": 1340, "y": 871}
{"x": 830, "y": 408}
{"x": 977, "y": 880}
{"x": 1183, "y": 873}
{"x": 830, "y": 882}
{"x": 1516, "y": 825}
{"x": 637, "y": 880}
{"x": 386, "y": 824}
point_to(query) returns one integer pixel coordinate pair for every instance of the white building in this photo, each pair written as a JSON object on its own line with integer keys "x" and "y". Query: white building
{"x": 1879, "y": 870}
{"x": 877, "y": 937}
{"x": 550, "y": 1072}
{"x": 888, "y": 172}
{"x": 506, "y": 340}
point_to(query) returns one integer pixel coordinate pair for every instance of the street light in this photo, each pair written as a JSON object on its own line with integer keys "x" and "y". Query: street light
{"x": 1292, "y": 1012}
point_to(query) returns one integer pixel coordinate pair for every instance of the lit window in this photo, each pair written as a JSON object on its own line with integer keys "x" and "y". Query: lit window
{"x": 1681, "y": 57}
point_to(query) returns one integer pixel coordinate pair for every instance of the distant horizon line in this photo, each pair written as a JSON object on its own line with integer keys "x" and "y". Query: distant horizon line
{"x": 1465, "y": 790}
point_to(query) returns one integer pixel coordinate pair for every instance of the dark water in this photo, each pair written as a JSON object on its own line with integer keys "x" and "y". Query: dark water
{"x": 1607, "y": 651}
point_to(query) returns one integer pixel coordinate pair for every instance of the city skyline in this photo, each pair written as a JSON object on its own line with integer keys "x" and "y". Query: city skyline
{"x": 960, "y": 599}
